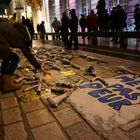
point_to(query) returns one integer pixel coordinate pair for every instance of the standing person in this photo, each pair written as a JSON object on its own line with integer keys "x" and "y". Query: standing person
{"x": 38, "y": 28}
{"x": 42, "y": 30}
{"x": 57, "y": 27}
{"x": 38, "y": 31}
{"x": 92, "y": 24}
{"x": 73, "y": 28}
{"x": 100, "y": 12}
{"x": 112, "y": 20}
{"x": 13, "y": 36}
{"x": 120, "y": 18}
{"x": 82, "y": 22}
{"x": 105, "y": 17}
{"x": 30, "y": 27}
{"x": 137, "y": 17}
{"x": 64, "y": 29}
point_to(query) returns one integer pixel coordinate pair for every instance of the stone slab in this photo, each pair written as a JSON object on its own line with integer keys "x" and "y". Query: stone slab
{"x": 6, "y": 95}
{"x": 48, "y": 132}
{"x": 116, "y": 134}
{"x": 81, "y": 131}
{"x": 67, "y": 117}
{"x": 8, "y": 102}
{"x": 1, "y": 132}
{"x": 61, "y": 106}
{"x": 135, "y": 133}
{"x": 15, "y": 132}
{"x": 1, "y": 119}
{"x": 130, "y": 126}
{"x": 39, "y": 117}
{"x": 11, "y": 115}
{"x": 32, "y": 106}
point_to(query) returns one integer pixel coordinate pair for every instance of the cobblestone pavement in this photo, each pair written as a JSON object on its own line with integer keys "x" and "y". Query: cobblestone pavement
{"x": 37, "y": 120}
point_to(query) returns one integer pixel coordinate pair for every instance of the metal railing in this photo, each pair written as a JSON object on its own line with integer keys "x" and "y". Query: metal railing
{"x": 122, "y": 35}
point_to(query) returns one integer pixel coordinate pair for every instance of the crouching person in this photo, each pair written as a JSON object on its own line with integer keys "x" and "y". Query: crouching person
{"x": 13, "y": 36}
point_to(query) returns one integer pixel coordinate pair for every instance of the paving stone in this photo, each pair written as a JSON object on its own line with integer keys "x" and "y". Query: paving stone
{"x": 39, "y": 117}
{"x": 32, "y": 106}
{"x": 1, "y": 120}
{"x": 49, "y": 131}
{"x": 81, "y": 131}
{"x": 20, "y": 91}
{"x": 116, "y": 134}
{"x": 1, "y": 137}
{"x": 130, "y": 126}
{"x": 135, "y": 133}
{"x": 62, "y": 105}
{"x": 11, "y": 115}
{"x": 15, "y": 132}
{"x": 6, "y": 95}
{"x": 67, "y": 117}
{"x": 8, "y": 102}
{"x": 1, "y": 131}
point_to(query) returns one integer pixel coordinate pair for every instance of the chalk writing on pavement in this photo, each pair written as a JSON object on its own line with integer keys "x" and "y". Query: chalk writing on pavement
{"x": 121, "y": 93}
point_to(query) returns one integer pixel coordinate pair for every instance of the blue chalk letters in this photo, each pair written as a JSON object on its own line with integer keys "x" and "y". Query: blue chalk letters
{"x": 116, "y": 95}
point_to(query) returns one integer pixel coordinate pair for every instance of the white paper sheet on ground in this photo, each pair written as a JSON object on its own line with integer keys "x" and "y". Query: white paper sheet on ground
{"x": 108, "y": 107}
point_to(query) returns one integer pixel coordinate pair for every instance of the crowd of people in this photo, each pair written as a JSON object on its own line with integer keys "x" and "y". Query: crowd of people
{"x": 19, "y": 35}
{"x": 116, "y": 21}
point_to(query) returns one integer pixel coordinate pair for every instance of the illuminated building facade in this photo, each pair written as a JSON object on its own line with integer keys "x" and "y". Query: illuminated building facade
{"x": 46, "y": 10}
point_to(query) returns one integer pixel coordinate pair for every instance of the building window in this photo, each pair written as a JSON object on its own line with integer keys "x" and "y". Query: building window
{"x": 113, "y": 3}
{"x": 123, "y": 3}
{"x": 86, "y": 7}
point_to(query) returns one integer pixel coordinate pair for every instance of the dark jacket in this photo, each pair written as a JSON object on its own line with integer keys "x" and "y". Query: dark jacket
{"x": 82, "y": 22}
{"x": 74, "y": 24}
{"x": 16, "y": 36}
{"x": 137, "y": 15}
{"x": 65, "y": 25}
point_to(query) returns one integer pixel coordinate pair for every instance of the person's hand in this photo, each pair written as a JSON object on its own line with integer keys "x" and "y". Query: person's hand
{"x": 41, "y": 73}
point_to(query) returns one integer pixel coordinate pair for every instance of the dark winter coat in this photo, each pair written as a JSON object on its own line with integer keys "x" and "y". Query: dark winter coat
{"x": 17, "y": 36}
{"x": 74, "y": 24}
{"x": 83, "y": 22}
{"x": 137, "y": 15}
{"x": 65, "y": 25}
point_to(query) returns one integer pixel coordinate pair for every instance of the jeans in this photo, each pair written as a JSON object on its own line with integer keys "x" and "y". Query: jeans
{"x": 74, "y": 37}
{"x": 9, "y": 64}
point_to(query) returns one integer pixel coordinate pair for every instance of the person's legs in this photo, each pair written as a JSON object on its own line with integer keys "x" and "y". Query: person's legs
{"x": 9, "y": 64}
{"x": 75, "y": 37}
{"x": 83, "y": 37}
{"x": 8, "y": 67}
{"x": 65, "y": 39}
{"x": 70, "y": 41}
{"x": 42, "y": 37}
